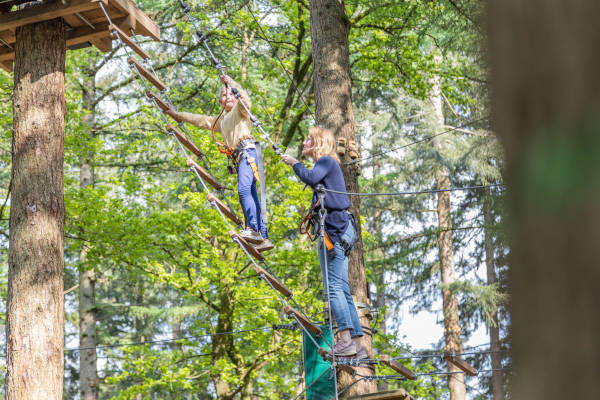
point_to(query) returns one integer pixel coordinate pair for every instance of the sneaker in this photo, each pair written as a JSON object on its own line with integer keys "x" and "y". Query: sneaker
{"x": 266, "y": 245}
{"x": 344, "y": 349}
{"x": 250, "y": 235}
{"x": 361, "y": 352}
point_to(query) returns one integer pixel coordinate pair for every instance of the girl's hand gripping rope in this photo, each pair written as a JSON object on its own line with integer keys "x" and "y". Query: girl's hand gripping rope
{"x": 289, "y": 160}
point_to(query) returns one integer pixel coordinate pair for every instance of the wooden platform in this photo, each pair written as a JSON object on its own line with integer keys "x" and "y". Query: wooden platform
{"x": 87, "y": 24}
{"x": 399, "y": 394}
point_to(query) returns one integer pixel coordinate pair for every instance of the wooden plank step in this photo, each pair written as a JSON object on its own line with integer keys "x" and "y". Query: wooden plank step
{"x": 163, "y": 105}
{"x": 147, "y": 74}
{"x": 183, "y": 140}
{"x": 224, "y": 209}
{"x": 461, "y": 364}
{"x": 314, "y": 329}
{"x": 396, "y": 366}
{"x": 276, "y": 284}
{"x": 205, "y": 176}
{"x": 251, "y": 250}
{"x": 399, "y": 394}
{"x": 125, "y": 38}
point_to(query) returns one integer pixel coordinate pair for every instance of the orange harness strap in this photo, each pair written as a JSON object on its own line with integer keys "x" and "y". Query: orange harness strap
{"x": 223, "y": 148}
{"x": 328, "y": 242}
{"x": 254, "y": 169}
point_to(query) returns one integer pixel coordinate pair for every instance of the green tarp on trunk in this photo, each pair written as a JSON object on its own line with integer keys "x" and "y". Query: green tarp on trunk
{"x": 318, "y": 373}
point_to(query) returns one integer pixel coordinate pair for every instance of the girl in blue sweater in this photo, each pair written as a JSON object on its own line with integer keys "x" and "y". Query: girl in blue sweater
{"x": 339, "y": 235}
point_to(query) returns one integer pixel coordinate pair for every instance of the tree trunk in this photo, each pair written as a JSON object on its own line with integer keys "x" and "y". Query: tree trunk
{"x": 88, "y": 370}
{"x": 452, "y": 330}
{"x": 544, "y": 59}
{"x": 329, "y": 28}
{"x": 496, "y": 356}
{"x": 377, "y": 227}
{"x": 222, "y": 345}
{"x": 35, "y": 314}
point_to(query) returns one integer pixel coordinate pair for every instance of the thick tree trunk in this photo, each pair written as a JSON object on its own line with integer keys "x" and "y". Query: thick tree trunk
{"x": 244, "y": 54}
{"x": 544, "y": 58}
{"x": 452, "y": 330}
{"x": 329, "y": 28}
{"x": 88, "y": 370}
{"x": 496, "y": 356}
{"x": 35, "y": 315}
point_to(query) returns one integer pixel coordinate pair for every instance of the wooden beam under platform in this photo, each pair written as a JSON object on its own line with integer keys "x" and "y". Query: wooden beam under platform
{"x": 87, "y": 25}
{"x": 45, "y": 12}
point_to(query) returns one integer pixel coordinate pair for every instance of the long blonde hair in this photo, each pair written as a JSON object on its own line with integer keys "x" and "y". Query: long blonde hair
{"x": 324, "y": 141}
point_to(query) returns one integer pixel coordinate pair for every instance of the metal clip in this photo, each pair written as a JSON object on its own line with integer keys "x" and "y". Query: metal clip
{"x": 201, "y": 36}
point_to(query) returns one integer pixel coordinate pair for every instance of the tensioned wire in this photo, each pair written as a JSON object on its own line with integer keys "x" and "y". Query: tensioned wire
{"x": 429, "y": 191}
{"x": 456, "y": 128}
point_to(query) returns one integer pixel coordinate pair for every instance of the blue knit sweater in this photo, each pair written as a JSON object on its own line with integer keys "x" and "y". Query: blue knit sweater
{"x": 327, "y": 172}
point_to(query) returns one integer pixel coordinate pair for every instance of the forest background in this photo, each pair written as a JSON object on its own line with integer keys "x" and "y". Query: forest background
{"x": 150, "y": 266}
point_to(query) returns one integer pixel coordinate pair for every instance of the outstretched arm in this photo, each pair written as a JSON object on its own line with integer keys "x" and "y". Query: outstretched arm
{"x": 309, "y": 176}
{"x": 201, "y": 121}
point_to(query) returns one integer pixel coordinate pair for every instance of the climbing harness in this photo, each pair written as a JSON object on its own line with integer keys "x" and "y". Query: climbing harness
{"x": 310, "y": 225}
{"x": 221, "y": 146}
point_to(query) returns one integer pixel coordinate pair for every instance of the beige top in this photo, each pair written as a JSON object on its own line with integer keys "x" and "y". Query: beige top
{"x": 235, "y": 125}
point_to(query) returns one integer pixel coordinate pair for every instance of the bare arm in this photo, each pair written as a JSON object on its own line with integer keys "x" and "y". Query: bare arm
{"x": 201, "y": 121}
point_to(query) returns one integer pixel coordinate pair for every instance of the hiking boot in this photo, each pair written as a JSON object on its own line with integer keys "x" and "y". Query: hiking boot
{"x": 251, "y": 236}
{"x": 361, "y": 352}
{"x": 266, "y": 245}
{"x": 344, "y": 349}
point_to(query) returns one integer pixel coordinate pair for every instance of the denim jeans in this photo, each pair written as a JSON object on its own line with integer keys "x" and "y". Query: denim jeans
{"x": 340, "y": 300}
{"x": 248, "y": 194}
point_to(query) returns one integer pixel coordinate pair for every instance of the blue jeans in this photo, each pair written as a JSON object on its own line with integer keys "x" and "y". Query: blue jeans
{"x": 248, "y": 194}
{"x": 342, "y": 305}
